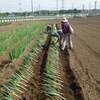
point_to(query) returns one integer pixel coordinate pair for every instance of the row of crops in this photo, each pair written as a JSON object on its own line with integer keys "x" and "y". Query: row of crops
{"x": 51, "y": 77}
{"x": 13, "y": 43}
{"x": 17, "y": 83}
{"x": 52, "y": 83}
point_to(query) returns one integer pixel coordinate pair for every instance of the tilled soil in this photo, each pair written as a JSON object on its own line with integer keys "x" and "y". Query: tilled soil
{"x": 86, "y": 41}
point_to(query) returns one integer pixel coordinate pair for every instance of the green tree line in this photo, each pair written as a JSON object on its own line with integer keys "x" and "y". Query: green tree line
{"x": 40, "y": 12}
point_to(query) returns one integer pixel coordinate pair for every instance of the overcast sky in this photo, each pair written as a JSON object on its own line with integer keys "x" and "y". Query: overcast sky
{"x": 25, "y": 5}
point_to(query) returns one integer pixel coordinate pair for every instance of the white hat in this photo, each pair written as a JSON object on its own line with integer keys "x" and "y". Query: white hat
{"x": 65, "y": 19}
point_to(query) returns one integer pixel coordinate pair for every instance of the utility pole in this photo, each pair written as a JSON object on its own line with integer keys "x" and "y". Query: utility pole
{"x": 39, "y": 9}
{"x": 89, "y": 8}
{"x": 95, "y": 7}
{"x": 99, "y": 5}
{"x": 72, "y": 6}
{"x": 57, "y": 5}
{"x": 72, "y": 9}
{"x": 99, "y": 8}
{"x": 82, "y": 8}
{"x": 32, "y": 6}
{"x": 62, "y": 4}
{"x": 20, "y": 4}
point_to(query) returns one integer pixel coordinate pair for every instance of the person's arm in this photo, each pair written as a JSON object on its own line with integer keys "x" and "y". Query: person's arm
{"x": 71, "y": 29}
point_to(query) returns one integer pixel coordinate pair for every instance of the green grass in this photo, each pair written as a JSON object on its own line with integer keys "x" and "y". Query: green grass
{"x": 16, "y": 41}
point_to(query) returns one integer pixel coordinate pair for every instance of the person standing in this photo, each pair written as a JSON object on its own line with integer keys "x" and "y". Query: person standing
{"x": 67, "y": 34}
{"x": 48, "y": 29}
{"x": 60, "y": 34}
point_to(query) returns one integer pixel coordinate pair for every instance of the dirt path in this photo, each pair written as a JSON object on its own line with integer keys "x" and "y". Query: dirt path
{"x": 64, "y": 64}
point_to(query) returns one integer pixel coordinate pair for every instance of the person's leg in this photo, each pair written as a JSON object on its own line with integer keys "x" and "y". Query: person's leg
{"x": 70, "y": 41}
{"x": 61, "y": 42}
{"x": 64, "y": 42}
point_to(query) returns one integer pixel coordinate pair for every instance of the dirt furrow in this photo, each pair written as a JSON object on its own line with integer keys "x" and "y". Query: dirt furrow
{"x": 72, "y": 89}
{"x": 93, "y": 34}
{"x": 44, "y": 55}
{"x": 88, "y": 46}
{"x": 90, "y": 58}
{"x": 91, "y": 39}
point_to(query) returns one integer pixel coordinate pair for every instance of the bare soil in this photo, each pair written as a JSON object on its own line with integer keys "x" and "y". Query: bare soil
{"x": 72, "y": 89}
{"x": 86, "y": 54}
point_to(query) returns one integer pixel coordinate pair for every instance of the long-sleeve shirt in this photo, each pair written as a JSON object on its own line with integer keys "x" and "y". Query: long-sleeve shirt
{"x": 66, "y": 28}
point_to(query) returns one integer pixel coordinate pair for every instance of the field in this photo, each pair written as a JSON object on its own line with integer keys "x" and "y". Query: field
{"x": 87, "y": 50}
{"x": 33, "y": 68}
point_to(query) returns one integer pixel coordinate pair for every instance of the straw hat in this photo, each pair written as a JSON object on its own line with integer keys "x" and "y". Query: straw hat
{"x": 65, "y": 19}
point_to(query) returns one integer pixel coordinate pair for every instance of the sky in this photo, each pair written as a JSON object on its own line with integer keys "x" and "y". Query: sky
{"x": 25, "y": 5}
